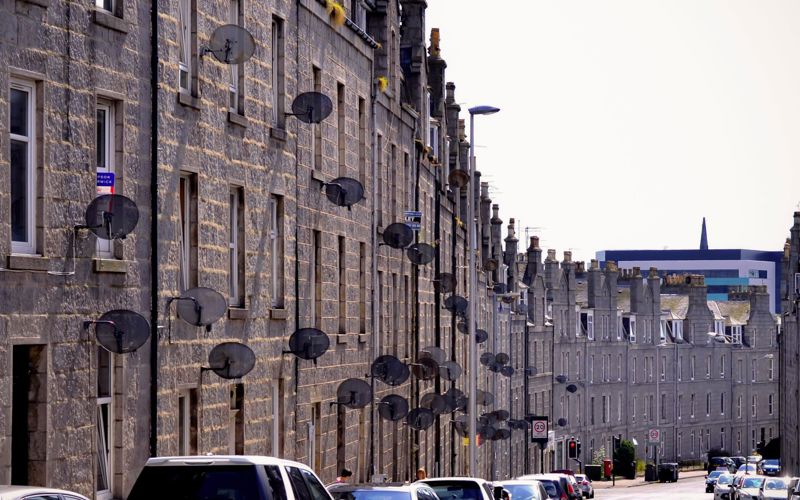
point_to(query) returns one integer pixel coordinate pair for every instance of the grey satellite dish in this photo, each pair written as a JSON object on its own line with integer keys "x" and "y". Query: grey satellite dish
{"x": 308, "y": 343}
{"x": 434, "y": 402}
{"x": 450, "y": 370}
{"x": 456, "y": 304}
{"x": 487, "y": 419}
{"x": 425, "y": 369}
{"x": 458, "y": 178}
{"x": 398, "y": 235}
{"x": 344, "y": 191}
{"x": 499, "y": 288}
{"x": 507, "y": 371}
{"x": 231, "y": 360}
{"x": 461, "y": 425}
{"x": 354, "y": 393}
{"x": 495, "y": 367}
{"x": 562, "y": 422}
{"x": 445, "y": 283}
{"x": 502, "y": 358}
{"x": 487, "y": 358}
{"x": 502, "y": 435}
{"x": 490, "y": 265}
{"x": 456, "y": 399}
{"x": 230, "y": 44}
{"x": 487, "y": 432}
{"x": 420, "y": 419}
{"x": 481, "y": 336}
{"x": 111, "y": 216}
{"x": 572, "y": 388}
{"x": 420, "y": 254}
{"x": 311, "y": 107}
{"x": 120, "y": 331}
{"x": 201, "y": 306}
{"x": 393, "y": 407}
{"x": 390, "y": 370}
{"x": 501, "y": 415}
{"x": 484, "y": 398}
{"x": 463, "y": 327}
{"x": 561, "y": 379}
{"x": 531, "y": 371}
{"x": 434, "y": 353}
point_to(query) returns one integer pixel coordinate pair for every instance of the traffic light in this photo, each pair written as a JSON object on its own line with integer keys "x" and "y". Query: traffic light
{"x": 572, "y": 449}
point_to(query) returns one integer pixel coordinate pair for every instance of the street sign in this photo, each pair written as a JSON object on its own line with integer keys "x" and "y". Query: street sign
{"x": 654, "y": 436}
{"x": 105, "y": 183}
{"x": 413, "y": 218}
{"x": 539, "y": 429}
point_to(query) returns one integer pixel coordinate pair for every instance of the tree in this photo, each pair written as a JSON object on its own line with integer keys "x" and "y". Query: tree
{"x": 599, "y": 456}
{"x": 624, "y": 459}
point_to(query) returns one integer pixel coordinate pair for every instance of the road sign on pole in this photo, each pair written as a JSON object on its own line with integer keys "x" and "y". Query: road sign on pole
{"x": 654, "y": 436}
{"x": 539, "y": 429}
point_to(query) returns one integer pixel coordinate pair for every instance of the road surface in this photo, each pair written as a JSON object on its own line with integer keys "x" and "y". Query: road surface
{"x": 685, "y": 489}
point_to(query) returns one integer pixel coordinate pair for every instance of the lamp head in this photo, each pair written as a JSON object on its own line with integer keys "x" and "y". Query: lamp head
{"x": 483, "y": 110}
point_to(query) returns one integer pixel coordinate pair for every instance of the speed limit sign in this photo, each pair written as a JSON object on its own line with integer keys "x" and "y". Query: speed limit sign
{"x": 654, "y": 436}
{"x": 539, "y": 429}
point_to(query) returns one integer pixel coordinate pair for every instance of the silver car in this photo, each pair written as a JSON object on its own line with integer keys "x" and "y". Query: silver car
{"x": 524, "y": 490}
{"x": 773, "y": 488}
{"x": 750, "y": 488}
{"x": 585, "y": 484}
{"x": 722, "y": 487}
{"x": 37, "y": 493}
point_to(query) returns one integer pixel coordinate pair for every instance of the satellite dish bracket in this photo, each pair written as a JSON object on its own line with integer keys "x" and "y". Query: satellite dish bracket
{"x": 197, "y": 307}
{"x": 89, "y": 323}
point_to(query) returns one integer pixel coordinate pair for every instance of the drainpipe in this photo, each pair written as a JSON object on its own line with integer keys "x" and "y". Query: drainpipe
{"x": 153, "y": 228}
{"x": 374, "y": 241}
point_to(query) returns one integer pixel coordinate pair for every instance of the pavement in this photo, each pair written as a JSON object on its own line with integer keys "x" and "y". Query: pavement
{"x": 687, "y": 488}
{"x": 639, "y": 481}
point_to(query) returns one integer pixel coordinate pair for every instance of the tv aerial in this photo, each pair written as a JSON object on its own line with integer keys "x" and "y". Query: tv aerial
{"x": 420, "y": 419}
{"x": 502, "y": 358}
{"x": 393, "y": 407}
{"x": 111, "y": 217}
{"x": 572, "y": 388}
{"x": 344, "y": 191}
{"x": 230, "y": 44}
{"x": 231, "y": 360}
{"x": 353, "y": 393}
{"x": 434, "y": 402}
{"x": 311, "y": 107}
{"x": 457, "y": 305}
{"x": 420, "y": 254}
{"x": 450, "y": 370}
{"x": 398, "y": 235}
{"x": 445, "y": 282}
{"x": 501, "y": 415}
{"x": 120, "y": 331}
{"x": 199, "y": 306}
{"x": 487, "y": 432}
{"x": 308, "y": 343}
{"x": 390, "y": 370}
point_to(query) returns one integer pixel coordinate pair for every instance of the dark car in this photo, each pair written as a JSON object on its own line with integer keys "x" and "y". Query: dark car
{"x": 717, "y": 463}
{"x": 770, "y": 467}
{"x": 738, "y": 461}
{"x": 556, "y": 485}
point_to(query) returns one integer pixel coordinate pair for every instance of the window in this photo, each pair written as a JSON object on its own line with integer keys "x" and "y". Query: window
{"x": 105, "y": 4}
{"x": 708, "y": 366}
{"x": 753, "y": 368}
{"x": 680, "y": 368}
{"x": 362, "y": 142}
{"x": 736, "y": 334}
{"x": 362, "y": 288}
{"x": 691, "y": 368}
{"x": 680, "y": 406}
{"x": 691, "y": 406}
{"x": 619, "y": 367}
{"x": 633, "y": 410}
{"x": 277, "y": 73}
{"x": 770, "y": 402}
{"x": 315, "y": 279}
{"x": 316, "y": 141}
{"x": 187, "y": 45}
{"x": 740, "y": 371}
{"x": 187, "y": 194}
{"x": 236, "y": 420}
{"x": 633, "y": 329}
{"x": 608, "y": 368}
{"x": 678, "y": 445}
{"x": 755, "y": 405}
{"x": 591, "y": 368}
{"x": 236, "y": 247}
{"x": 236, "y": 17}
{"x": 619, "y": 407}
{"x": 739, "y": 407}
{"x": 678, "y": 329}
{"x": 770, "y": 369}
{"x": 663, "y": 406}
{"x": 722, "y": 403}
{"x": 22, "y": 126}
{"x": 104, "y": 149}
{"x": 722, "y": 438}
{"x": 187, "y": 422}
{"x": 343, "y": 287}
{"x": 708, "y": 404}
{"x": 605, "y": 409}
{"x": 663, "y": 369}
{"x": 591, "y": 411}
{"x": 619, "y": 325}
{"x": 633, "y": 370}
{"x": 105, "y": 419}
{"x": 341, "y": 132}
{"x": 722, "y": 366}
{"x": 663, "y": 331}
{"x": 276, "y": 253}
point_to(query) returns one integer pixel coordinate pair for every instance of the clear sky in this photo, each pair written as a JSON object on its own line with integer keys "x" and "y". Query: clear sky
{"x": 623, "y": 123}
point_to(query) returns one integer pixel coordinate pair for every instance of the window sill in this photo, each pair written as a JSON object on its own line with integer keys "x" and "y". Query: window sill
{"x": 108, "y": 20}
{"x": 28, "y": 262}
{"x": 237, "y": 313}
{"x": 188, "y": 100}
{"x": 363, "y": 338}
{"x": 41, "y": 3}
{"x": 238, "y": 119}
{"x": 110, "y": 266}
{"x": 342, "y": 338}
{"x": 278, "y": 313}
{"x": 279, "y": 134}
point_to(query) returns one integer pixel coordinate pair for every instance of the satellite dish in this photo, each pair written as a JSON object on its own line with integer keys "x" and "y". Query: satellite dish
{"x": 481, "y": 336}
{"x": 487, "y": 358}
{"x": 230, "y": 44}
{"x": 561, "y": 379}
{"x": 562, "y": 422}
{"x": 398, "y": 235}
{"x": 458, "y": 178}
{"x": 344, "y": 191}
{"x": 434, "y": 402}
{"x": 231, "y": 360}
{"x": 572, "y": 388}
{"x": 501, "y": 415}
{"x": 487, "y": 432}
{"x": 502, "y": 358}
{"x": 490, "y": 265}
{"x": 420, "y": 419}
{"x": 450, "y": 370}
{"x": 354, "y": 393}
{"x": 425, "y": 368}
{"x": 390, "y": 370}
{"x": 311, "y": 107}
{"x": 531, "y": 371}
{"x": 456, "y": 399}
{"x": 393, "y": 407}
{"x": 484, "y": 398}
{"x": 201, "y": 306}
{"x": 434, "y": 353}
{"x": 445, "y": 282}
{"x": 495, "y": 367}
{"x": 461, "y": 426}
{"x": 111, "y": 216}
{"x": 507, "y": 371}
{"x": 463, "y": 327}
{"x": 308, "y": 343}
{"x": 502, "y": 435}
{"x": 499, "y": 288}
{"x": 120, "y": 331}
{"x": 421, "y": 254}
{"x": 457, "y": 305}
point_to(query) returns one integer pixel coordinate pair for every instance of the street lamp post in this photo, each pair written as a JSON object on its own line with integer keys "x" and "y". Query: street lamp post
{"x": 473, "y": 289}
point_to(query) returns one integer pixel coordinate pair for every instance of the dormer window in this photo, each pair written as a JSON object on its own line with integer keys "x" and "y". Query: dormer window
{"x": 629, "y": 327}
{"x": 719, "y": 327}
{"x": 587, "y": 324}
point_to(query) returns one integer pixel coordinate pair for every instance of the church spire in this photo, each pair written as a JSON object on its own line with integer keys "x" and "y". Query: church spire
{"x": 704, "y": 237}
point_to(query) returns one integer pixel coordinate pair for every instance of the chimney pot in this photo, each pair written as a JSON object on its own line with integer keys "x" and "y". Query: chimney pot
{"x": 653, "y": 273}
{"x": 551, "y": 254}
{"x": 797, "y": 218}
{"x": 593, "y": 264}
{"x": 567, "y": 256}
{"x": 637, "y": 272}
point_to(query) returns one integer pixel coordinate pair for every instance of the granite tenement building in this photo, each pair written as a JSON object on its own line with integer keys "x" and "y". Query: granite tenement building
{"x": 790, "y": 352}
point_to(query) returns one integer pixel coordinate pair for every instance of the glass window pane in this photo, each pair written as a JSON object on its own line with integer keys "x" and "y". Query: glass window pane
{"x": 103, "y": 373}
{"x": 101, "y": 138}
{"x": 19, "y": 191}
{"x": 19, "y": 112}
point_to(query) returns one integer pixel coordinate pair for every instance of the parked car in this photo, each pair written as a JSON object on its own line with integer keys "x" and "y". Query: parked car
{"x": 462, "y": 488}
{"x": 722, "y": 488}
{"x": 737, "y": 461}
{"x": 770, "y": 467}
{"x": 37, "y": 493}
{"x": 585, "y": 485}
{"x": 711, "y": 480}
{"x": 220, "y": 476}
{"x": 564, "y": 487}
{"x": 774, "y": 488}
{"x": 413, "y": 491}
{"x": 716, "y": 462}
{"x": 525, "y": 490}
{"x": 747, "y": 469}
{"x": 750, "y": 488}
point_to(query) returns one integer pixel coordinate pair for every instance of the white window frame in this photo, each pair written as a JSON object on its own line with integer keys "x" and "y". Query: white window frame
{"x": 739, "y": 407}
{"x": 680, "y": 368}
{"x": 736, "y": 334}
{"x": 770, "y": 403}
{"x": 633, "y": 370}
{"x": 708, "y": 366}
{"x": 663, "y": 330}
{"x": 771, "y": 369}
{"x": 278, "y": 39}
{"x": 105, "y": 430}
{"x": 590, "y": 325}
{"x": 105, "y": 248}
{"x": 234, "y": 274}
{"x": 101, "y": 4}
{"x": 633, "y": 329}
{"x": 277, "y": 250}
{"x": 185, "y": 225}
{"x": 619, "y": 367}
{"x": 29, "y": 245}
{"x": 680, "y": 406}
{"x": 692, "y": 400}
{"x": 619, "y": 325}
{"x": 678, "y": 326}
{"x": 184, "y": 422}
{"x": 233, "y": 88}
{"x": 185, "y": 45}
{"x": 722, "y": 366}
{"x": 755, "y": 406}
{"x": 692, "y": 363}
{"x": 663, "y": 369}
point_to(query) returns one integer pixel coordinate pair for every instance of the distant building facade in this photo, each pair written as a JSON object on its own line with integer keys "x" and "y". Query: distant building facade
{"x": 790, "y": 352}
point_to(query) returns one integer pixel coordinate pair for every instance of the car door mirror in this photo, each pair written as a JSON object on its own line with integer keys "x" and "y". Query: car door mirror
{"x": 497, "y": 493}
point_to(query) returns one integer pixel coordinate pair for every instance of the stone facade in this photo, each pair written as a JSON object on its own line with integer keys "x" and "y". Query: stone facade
{"x": 790, "y": 353}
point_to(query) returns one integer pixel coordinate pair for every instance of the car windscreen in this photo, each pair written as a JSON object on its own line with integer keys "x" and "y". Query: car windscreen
{"x": 714, "y": 474}
{"x": 522, "y": 491}
{"x": 456, "y": 490}
{"x": 724, "y": 479}
{"x": 775, "y": 484}
{"x": 371, "y": 494}
{"x": 752, "y": 482}
{"x": 190, "y": 482}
